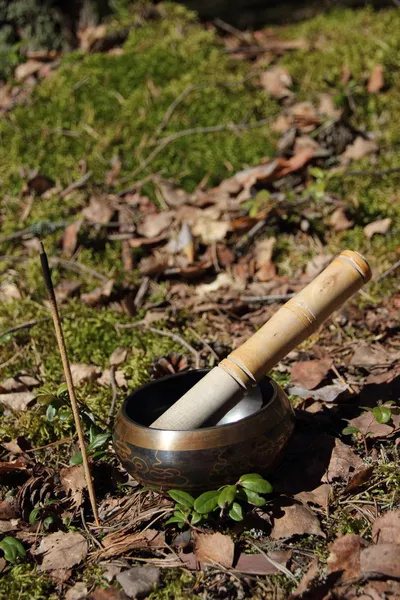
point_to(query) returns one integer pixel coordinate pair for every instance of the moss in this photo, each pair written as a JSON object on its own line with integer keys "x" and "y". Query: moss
{"x": 176, "y": 584}
{"x": 24, "y": 582}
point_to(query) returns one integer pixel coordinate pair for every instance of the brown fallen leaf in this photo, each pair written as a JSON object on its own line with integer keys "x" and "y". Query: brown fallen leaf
{"x": 360, "y": 148}
{"x": 381, "y": 560}
{"x": 9, "y": 292}
{"x": 90, "y": 35}
{"x": 328, "y": 107}
{"x": 82, "y": 373}
{"x": 263, "y": 254}
{"x": 372, "y": 356}
{"x": 61, "y": 551}
{"x": 304, "y": 116}
{"x": 339, "y": 220}
{"x": 366, "y": 423}
{"x": 154, "y": 224}
{"x": 139, "y": 242}
{"x": 8, "y": 510}
{"x": 18, "y": 401}
{"x": 110, "y": 593}
{"x": 376, "y": 80}
{"x": 320, "y": 496}
{"x": 19, "y": 383}
{"x": 277, "y": 81}
{"x": 386, "y": 529}
{"x": 70, "y": 238}
{"x": 297, "y": 520}
{"x": 360, "y": 477}
{"x": 258, "y": 564}
{"x": 310, "y": 373}
{"x": 173, "y": 195}
{"x": 214, "y": 548}
{"x": 99, "y": 295}
{"x": 308, "y": 577}
{"x": 99, "y": 211}
{"x": 328, "y": 393}
{"x": 78, "y": 591}
{"x": 118, "y": 356}
{"x": 138, "y": 582}
{"x": 26, "y": 69}
{"x": 381, "y": 226}
{"x": 345, "y": 556}
{"x": 73, "y": 481}
{"x": 343, "y": 461}
{"x": 210, "y": 230}
{"x": 105, "y": 379}
{"x": 306, "y": 142}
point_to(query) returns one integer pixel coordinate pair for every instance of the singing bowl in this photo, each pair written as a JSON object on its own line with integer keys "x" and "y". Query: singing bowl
{"x": 208, "y": 457}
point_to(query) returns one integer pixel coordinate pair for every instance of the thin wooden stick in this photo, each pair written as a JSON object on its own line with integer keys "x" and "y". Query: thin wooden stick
{"x": 68, "y": 378}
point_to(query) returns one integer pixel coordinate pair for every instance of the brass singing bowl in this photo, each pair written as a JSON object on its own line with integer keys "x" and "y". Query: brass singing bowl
{"x": 208, "y": 457}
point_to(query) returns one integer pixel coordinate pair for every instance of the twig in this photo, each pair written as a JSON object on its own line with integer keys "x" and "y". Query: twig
{"x": 388, "y": 271}
{"x": 270, "y": 298}
{"x": 194, "y": 130}
{"x": 26, "y": 325}
{"x": 76, "y": 184}
{"x": 370, "y": 173}
{"x": 231, "y": 29}
{"x": 141, "y": 293}
{"x": 68, "y": 378}
{"x": 114, "y": 388}
{"x": 342, "y": 379}
{"x": 56, "y": 443}
{"x": 250, "y": 234}
{"x": 78, "y": 268}
{"x": 11, "y": 360}
{"x": 277, "y": 565}
{"x": 205, "y": 344}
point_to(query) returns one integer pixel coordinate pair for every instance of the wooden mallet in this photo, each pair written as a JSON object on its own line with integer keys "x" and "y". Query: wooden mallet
{"x": 225, "y": 385}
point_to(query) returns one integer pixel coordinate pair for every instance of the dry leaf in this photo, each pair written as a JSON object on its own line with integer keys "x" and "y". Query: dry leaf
{"x": 82, "y": 373}
{"x": 18, "y": 401}
{"x": 26, "y": 69}
{"x": 100, "y": 210}
{"x": 9, "y": 292}
{"x": 358, "y": 479}
{"x": 345, "y": 556}
{"x": 66, "y": 289}
{"x": 258, "y": 564}
{"x": 154, "y": 224}
{"x": 7, "y": 510}
{"x": 19, "y": 383}
{"x": 366, "y": 423}
{"x": 209, "y": 229}
{"x": 339, "y": 220}
{"x": 381, "y": 560}
{"x": 343, "y": 461}
{"x": 105, "y": 379}
{"x": 276, "y": 82}
{"x": 328, "y": 107}
{"x": 223, "y": 280}
{"x": 110, "y": 593}
{"x": 376, "y": 80}
{"x": 173, "y": 195}
{"x": 78, "y": 591}
{"x": 328, "y": 393}
{"x": 304, "y": 116}
{"x": 381, "y": 226}
{"x": 386, "y": 529}
{"x": 359, "y": 148}
{"x": 74, "y": 482}
{"x": 306, "y": 142}
{"x": 70, "y": 238}
{"x": 372, "y": 356}
{"x": 61, "y": 551}
{"x": 118, "y": 356}
{"x": 310, "y": 373}
{"x": 138, "y": 582}
{"x": 263, "y": 255}
{"x": 317, "y": 264}
{"x": 90, "y": 35}
{"x": 318, "y": 496}
{"x": 297, "y": 520}
{"x": 214, "y": 548}
{"x": 99, "y": 295}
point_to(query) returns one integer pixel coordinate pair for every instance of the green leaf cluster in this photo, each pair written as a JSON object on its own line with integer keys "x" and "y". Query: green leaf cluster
{"x": 249, "y": 489}
{"x": 12, "y": 548}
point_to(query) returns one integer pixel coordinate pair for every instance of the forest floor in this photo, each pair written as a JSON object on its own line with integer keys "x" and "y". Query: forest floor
{"x": 186, "y": 179}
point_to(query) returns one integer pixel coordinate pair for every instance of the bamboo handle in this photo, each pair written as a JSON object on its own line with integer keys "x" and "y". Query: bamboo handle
{"x": 292, "y": 324}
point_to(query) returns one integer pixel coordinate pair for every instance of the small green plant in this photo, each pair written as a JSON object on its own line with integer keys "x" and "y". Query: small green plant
{"x": 98, "y": 442}
{"x": 12, "y": 548}
{"x": 228, "y": 499}
{"x": 382, "y": 414}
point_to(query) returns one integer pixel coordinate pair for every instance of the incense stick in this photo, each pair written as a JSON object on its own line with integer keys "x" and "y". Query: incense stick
{"x": 68, "y": 378}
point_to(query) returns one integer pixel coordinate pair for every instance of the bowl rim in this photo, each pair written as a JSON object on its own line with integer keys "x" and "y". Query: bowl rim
{"x": 261, "y": 421}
